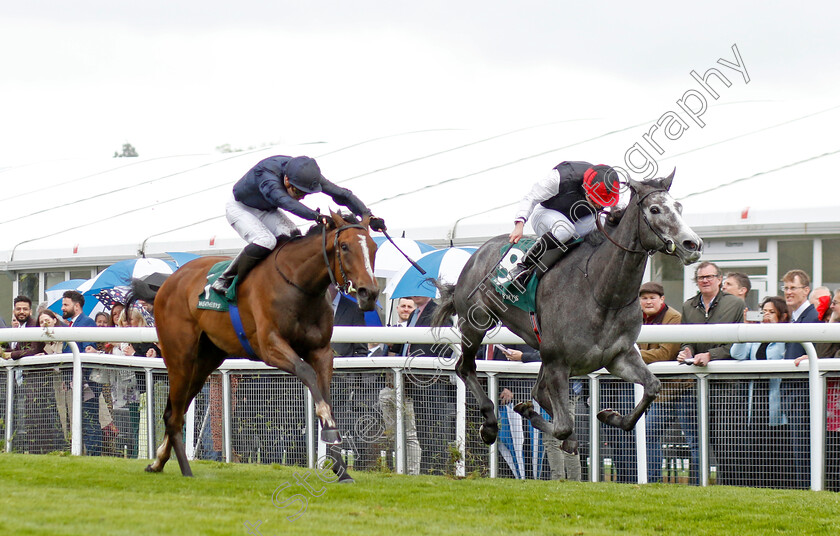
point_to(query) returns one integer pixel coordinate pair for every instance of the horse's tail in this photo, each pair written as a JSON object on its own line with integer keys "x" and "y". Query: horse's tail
{"x": 140, "y": 290}
{"x": 446, "y": 305}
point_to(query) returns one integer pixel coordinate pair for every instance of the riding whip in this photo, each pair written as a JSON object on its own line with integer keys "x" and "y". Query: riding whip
{"x": 391, "y": 240}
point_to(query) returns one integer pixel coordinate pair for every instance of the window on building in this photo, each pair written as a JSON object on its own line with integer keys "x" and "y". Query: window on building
{"x": 28, "y": 286}
{"x": 831, "y": 263}
{"x": 795, "y": 255}
{"x": 668, "y": 270}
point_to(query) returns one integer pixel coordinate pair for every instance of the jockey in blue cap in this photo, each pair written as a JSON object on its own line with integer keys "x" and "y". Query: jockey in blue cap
{"x": 256, "y": 208}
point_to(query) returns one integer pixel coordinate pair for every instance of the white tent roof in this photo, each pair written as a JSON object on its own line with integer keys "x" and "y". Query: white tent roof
{"x": 778, "y": 159}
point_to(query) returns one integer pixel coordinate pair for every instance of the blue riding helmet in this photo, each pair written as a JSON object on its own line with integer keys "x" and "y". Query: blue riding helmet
{"x": 304, "y": 174}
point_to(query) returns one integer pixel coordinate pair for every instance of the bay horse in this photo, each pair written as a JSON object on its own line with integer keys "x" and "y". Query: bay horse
{"x": 286, "y": 318}
{"x": 586, "y": 308}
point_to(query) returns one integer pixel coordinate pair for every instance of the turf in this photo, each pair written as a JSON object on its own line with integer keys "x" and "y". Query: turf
{"x": 80, "y": 495}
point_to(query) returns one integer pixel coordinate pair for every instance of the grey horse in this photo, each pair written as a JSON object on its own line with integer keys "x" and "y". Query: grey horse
{"x": 586, "y": 308}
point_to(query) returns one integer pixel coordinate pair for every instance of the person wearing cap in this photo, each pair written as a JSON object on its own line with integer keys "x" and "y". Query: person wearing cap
{"x": 562, "y": 207}
{"x": 673, "y": 403}
{"x": 256, "y": 210}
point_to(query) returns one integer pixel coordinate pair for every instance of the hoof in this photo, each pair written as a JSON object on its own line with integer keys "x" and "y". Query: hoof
{"x": 330, "y": 436}
{"x": 150, "y": 469}
{"x": 523, "y": 408}
{"x": 489, "y": 432}
{"x": 610, "y": 417}
{"x": 569, "y": 446}
{"x": 346, "y": 479}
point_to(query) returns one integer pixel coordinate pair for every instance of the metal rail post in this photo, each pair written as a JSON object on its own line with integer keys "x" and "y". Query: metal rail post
{"x": 400, "y": 439}
{"x": 150, "y": 414}
{"x": 594, "y": 428}
{"x": 76, "y": 421}
{"x": 816, "y": 392}
{"x": 311, "y": 431}
{"x": 461, "y": 426}
{"x": 493, "y": 450}
{"x": 226, "y": 416}
{"x": 703, "y": 426}
{"x": 10, "y": 406}
{"x": 641, "y": 438}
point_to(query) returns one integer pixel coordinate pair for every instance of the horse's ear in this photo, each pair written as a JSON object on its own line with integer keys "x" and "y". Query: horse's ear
{"x": 366, "y": 221}
{"x": 666, "y": 182}
{"x": 337, "y": 219}
{"x": 635, "y": 185}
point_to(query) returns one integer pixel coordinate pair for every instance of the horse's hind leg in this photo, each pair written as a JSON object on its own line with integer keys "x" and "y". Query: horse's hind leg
{"x": 552, "y": 392}
{"x": 184, "y": 385}
{"x": 630, "y": 367}
{"x": 471, "y": 338}
{"x": 540, "y": 394}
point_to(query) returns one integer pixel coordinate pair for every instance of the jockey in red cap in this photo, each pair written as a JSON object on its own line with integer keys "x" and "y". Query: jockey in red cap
{"x": 562, "y": 208}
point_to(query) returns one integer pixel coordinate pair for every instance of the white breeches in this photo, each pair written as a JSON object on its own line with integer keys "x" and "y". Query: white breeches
{"x": 257, "y": 226}
{"x": 544, "y": 220}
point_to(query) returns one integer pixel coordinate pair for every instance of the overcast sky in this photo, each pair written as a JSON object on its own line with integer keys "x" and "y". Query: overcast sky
{"x": 172, "y": 77}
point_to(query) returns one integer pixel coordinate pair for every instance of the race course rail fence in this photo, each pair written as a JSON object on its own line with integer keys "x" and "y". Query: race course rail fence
{"x": 754, "y": 423}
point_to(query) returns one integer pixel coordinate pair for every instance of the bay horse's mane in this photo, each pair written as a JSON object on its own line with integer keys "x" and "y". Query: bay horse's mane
{"x": 317, "y": 228}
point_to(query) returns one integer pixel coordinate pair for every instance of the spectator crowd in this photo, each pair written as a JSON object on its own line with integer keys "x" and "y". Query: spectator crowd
{"x": 758, "y": 428}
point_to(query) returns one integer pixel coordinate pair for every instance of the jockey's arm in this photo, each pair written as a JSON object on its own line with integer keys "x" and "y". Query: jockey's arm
{"x": 345, "y": 198}
{"x": 272, "y": 188}
{"x": 542, "y": 190}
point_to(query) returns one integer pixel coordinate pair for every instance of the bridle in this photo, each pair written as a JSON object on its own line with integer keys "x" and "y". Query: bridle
{"x": 670, "y": 247}
{"x": 347, "y": 286}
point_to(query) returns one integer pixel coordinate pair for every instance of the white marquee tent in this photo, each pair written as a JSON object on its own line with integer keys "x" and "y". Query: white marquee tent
{"x": 754, "y": 166}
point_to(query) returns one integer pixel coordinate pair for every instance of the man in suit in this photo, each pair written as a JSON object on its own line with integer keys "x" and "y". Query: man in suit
{"x": 72, "y": 304}
{"x": 23, "y": 314}
{"x": 796, "y": 286}
{"x": 354, "y": 395}
{"x": 35, "y": 416}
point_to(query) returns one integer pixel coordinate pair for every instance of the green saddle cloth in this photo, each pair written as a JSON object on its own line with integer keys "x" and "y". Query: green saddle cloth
{"x": 523, "y": 296}
{"x": 212, "y": 300}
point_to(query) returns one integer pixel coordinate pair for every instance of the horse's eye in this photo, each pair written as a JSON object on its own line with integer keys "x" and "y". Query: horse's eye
{"x": 345, "y": 247}
{"x": 654, "y": 210}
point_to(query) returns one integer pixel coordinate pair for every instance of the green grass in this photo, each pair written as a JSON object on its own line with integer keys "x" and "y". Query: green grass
{"x": 80, "y": 495}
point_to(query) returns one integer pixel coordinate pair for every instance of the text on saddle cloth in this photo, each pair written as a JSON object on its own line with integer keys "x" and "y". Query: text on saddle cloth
{"x": 212, "y": 300}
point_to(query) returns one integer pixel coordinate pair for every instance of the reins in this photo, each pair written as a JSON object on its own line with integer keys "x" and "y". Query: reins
{"x": 669, "y": 244}
{"x": 348, "y": 284}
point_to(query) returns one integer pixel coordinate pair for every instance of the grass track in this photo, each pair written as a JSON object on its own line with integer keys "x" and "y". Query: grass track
{"x": 80, "y": 495}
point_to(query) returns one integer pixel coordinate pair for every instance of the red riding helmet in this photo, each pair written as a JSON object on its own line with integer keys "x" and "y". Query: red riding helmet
{"x": 601, "y": 185}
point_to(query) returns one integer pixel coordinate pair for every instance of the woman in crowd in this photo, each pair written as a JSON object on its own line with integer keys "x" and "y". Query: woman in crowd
{"x": 767, "y": 428}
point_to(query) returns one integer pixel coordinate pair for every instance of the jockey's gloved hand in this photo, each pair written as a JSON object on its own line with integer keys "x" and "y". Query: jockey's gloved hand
{"x": 615, "y": 215}
{"x": 377, "y": 224}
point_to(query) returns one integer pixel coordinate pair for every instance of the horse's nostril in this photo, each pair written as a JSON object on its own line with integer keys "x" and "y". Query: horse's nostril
{"x": 362, "y": 293}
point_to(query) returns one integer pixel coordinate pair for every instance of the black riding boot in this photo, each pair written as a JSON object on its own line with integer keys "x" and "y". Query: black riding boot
{"x": 240, "y": 266}
{"x": 542, "y": 255}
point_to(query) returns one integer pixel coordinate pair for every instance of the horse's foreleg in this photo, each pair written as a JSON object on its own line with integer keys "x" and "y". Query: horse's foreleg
{"x": 631, "y": 368}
